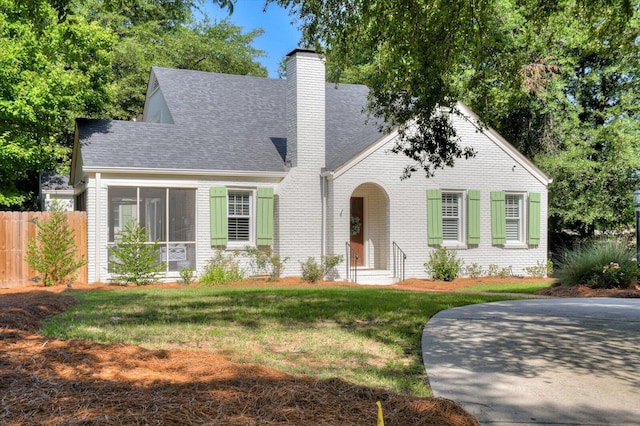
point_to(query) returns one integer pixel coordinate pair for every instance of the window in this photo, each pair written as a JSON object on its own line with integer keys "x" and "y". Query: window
{"x": 169, "y": 214}
{"x": 513, "y": 217}
{"x": 451, "y": 220}
{"x": 239, "y": 216}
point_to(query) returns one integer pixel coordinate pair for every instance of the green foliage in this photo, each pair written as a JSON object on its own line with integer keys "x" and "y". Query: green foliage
{"x": 311, "y": 270}
{"x": 53, "y": 252}
{"x": 540, "y": 270}
{"x": 495, "y": 271}
{"x": 607, "y": 263}
{"x": 50, "y": 72}
{"x": 186, "y": 276}
{"x": 223, "y": 268}
{"x": 329, "y": 264}
{"x": 62, "y": 59}
{"x": 132, "y": 259}
{"x": 443, "y": 264}
{"x": 491, "y": 56}
{"x": 474, "y": 270}
{"x": 265, "y": 261}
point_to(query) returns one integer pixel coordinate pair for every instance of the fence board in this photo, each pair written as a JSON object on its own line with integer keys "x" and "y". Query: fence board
{"x": 16, "y": 230}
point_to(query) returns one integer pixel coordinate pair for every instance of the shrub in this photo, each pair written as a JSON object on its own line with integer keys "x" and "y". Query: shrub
{"x": 132, "y": 259}
{"x": 604, "y": 263}
{"x": 329, "y": 265}
{"x": 474, "y": 270}
{"x": 495, "y": 271}
{"x": 443, "y": 265}
{"x": 311, "y": 271}
{"x": 265, "y": 261}
{"x": 53, "y": 252}
{"x": 186, "y": 276}
{"x": 539, "y": 270}
{"x": 222, "y": 269}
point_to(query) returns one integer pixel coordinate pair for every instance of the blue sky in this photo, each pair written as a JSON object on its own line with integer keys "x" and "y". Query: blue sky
{"x": 280, "y": 35}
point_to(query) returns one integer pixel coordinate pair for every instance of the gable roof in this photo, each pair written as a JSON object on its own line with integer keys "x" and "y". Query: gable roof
{"x": 223, "y": 122}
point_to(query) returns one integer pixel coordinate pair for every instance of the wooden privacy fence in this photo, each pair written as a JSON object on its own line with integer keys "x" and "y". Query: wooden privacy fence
{"x": 16, "y": 230}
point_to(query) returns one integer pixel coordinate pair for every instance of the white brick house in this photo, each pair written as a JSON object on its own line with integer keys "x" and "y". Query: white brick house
{"x": 225, "y": 162}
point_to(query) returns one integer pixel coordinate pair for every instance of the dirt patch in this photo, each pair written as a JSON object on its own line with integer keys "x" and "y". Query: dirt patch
{"x": 50, "y": 382}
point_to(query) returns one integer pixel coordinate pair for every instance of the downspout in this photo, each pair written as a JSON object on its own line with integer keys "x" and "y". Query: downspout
{"x": 325, "y": 184}
{"x": 97, "y": 215}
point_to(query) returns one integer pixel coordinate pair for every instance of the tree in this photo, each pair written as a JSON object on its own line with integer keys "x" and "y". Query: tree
{"x": 62, "y": 59}
{"x": 576, "y": 115}
{"x": 558, "y": 79}
{"x": 413, "y": 53}
{"x": 132, "y": 260}
{"x": 53, "y": 252}
{"x": 49, "y": 74}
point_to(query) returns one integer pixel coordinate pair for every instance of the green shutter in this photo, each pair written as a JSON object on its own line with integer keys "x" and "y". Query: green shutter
{"x": 534, "y": 218}
{"x": 498, "y": 220}
{"x": 434, "y": 216}
{"x": 218, "y": 215}
{"x": 265, "y": 217}
{"x": 473, "y": 224}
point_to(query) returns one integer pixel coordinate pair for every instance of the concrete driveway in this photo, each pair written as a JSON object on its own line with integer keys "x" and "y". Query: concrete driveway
{"x": 550, "y": 361}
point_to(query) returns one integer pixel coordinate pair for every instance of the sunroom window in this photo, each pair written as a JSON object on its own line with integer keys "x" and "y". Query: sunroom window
{"x": 169, "y": 214}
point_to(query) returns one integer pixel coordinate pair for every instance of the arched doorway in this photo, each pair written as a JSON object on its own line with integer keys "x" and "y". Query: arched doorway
{"x": 369, "y": 226}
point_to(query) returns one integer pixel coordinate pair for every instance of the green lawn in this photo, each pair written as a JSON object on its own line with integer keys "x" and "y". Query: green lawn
{"x": 517, "y": 287}
{"x": 367, "y": 336}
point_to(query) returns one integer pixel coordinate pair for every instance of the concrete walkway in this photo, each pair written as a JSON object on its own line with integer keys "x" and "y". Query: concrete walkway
{"x": 532, "y": 362}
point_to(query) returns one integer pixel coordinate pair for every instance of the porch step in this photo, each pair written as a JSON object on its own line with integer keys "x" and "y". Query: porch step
{"x": 375, "y": 277}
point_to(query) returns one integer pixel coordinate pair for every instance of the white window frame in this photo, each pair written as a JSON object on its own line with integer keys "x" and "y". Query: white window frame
{"x": 458, "y": 243}
{"x": 165, "y": 246}
{"x": 252, "y": 217}
{"x": 520, "y": 241}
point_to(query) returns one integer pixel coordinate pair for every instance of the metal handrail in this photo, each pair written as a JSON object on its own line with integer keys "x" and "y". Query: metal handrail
{"x": 399, "y": 258}
{"x": 352, "y": 267}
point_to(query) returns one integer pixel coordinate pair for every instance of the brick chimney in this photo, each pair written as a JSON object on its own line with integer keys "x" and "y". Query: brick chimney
{"x": 305, "y": 109}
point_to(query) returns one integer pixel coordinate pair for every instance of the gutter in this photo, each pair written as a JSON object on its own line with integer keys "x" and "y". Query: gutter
{"x": 188, "y": 172}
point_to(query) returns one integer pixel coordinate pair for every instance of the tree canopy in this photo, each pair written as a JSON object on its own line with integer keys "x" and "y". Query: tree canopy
{"x": 557, "y": 78}
{"x": 62, "y": 59}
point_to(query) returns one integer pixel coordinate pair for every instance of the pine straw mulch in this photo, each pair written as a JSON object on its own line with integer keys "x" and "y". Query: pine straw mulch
{"x": 584, "y": 291}
{"x": 57, "y": 382}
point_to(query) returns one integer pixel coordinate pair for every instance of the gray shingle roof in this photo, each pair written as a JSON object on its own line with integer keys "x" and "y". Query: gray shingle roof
{"x": 223, "y": 122}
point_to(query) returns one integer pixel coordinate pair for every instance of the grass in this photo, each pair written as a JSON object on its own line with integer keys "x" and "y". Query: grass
{"x": 522, "y": 287}
{"x": 370, "y": 337}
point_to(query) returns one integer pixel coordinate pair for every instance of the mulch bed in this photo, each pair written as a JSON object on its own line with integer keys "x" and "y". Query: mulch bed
{"x": 58, "y": 382}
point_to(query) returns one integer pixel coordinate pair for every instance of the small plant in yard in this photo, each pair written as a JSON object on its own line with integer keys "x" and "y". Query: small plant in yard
{"x": 474, "y": 270}
{"x": 312, "y": 271}
{"x": 599, "y": 264}
{"x": 186, "y": 276}
{"x": 495, "y": 271}
{"x": 222, "y": 269}
{"x": 443, "y": 265}
{"x": 134, "y": 260}
{"x": 329, "y": 264}
{"x": 264, "y": 261}
{"x": 53, "y": 252}
{"x": 539, "y": 270}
